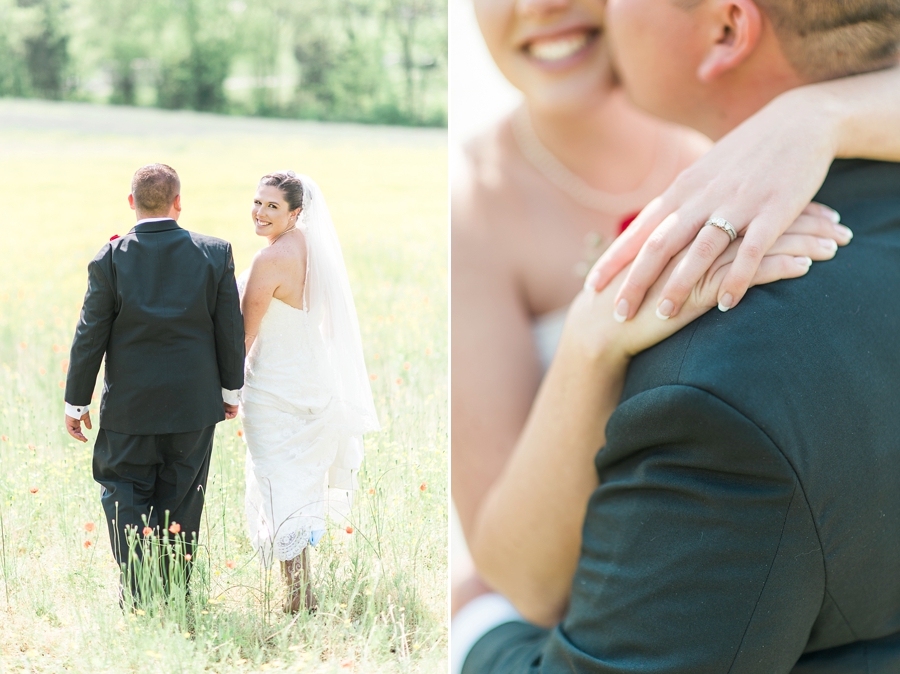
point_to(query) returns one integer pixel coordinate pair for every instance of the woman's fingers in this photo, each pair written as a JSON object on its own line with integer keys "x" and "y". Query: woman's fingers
{"x": 821, "y": 237}
{"x": 625, "y": 247}
{"x": 772, "y": 268}
{"x": 810, "y": 224}
{"x": 759, "y": 239}
{"x": 672, "y": 235}
{"x": 777, "y": 267}
{"x": 709, "y": 244}
{"x": 817, "y": 248}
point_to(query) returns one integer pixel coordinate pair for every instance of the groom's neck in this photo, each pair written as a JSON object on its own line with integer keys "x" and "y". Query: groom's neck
{"x": 171, "y": 214}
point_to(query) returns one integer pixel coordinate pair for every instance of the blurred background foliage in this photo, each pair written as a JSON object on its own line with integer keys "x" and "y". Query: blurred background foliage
{"x": 373, "y": 61}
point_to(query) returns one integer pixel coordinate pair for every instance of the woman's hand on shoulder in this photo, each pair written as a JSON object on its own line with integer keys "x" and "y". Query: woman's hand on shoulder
{"x": 760, "y": 177}
{"x": 592, "y": 328}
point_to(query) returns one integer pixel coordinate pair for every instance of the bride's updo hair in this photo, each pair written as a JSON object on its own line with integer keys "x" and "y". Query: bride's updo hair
{"x": 290, "y": 186}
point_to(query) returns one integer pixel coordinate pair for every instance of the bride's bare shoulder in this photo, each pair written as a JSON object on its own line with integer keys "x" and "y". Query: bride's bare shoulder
{"x": 282, "y": 256}
{"x": 484, "y": 179}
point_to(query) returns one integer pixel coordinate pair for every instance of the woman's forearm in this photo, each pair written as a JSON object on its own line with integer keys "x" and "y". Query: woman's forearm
{"x": 534, "y": 512}
{"x": 863, "y": 112}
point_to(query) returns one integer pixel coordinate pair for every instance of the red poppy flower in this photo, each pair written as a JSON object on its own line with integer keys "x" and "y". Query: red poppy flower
{"x": 33, "y": 490}
{"x": 87, "y": 544}
{"x": 423, "y": 487}
{"x": 147, "y": 531}
{"x": 174, "y": 528}
{"x": 349, "y": 530}
{"x": 89, "y": 526}
{"x": 230, "y": 564}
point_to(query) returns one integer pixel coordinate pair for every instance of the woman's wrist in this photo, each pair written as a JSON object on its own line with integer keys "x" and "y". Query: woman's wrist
{"x": 590, "y": 340}
{"x": 819, "y": 111}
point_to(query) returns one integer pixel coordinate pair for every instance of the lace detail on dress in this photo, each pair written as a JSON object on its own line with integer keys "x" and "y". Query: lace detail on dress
{"x": 291, "y": 545}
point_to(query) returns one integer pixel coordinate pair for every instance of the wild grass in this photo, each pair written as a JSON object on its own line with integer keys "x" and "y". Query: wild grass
{"x": 64, "y": 177}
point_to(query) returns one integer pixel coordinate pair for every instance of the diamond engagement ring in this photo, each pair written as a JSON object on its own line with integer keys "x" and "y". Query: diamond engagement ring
{"x": 724, "y": 225}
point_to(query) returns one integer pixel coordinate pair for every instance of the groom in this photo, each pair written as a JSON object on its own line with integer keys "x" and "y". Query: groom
{"x": 748, "y": 518}
{"x": 162, "y": 306}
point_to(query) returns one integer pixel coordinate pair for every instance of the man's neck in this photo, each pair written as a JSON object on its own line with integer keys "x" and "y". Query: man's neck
{"x": 741, "y": 93}
{"x": 145, "y": 217}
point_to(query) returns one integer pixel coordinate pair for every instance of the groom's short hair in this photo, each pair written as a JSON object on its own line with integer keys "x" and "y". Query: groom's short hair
{"x": 155, "y": 187}
{"x": 824, "y": 39}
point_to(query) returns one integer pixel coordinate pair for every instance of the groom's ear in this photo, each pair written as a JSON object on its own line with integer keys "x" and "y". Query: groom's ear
{"x": 131, "y": 202}
{"x": 735, "y": 28}
{"x": 177, "y": 203}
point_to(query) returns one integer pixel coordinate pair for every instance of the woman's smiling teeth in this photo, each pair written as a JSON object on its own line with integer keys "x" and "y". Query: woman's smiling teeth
{"x": 558, "y": 48}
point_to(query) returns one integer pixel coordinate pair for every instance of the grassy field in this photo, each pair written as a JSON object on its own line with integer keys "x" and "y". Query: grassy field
{"x": 64, "y": 178}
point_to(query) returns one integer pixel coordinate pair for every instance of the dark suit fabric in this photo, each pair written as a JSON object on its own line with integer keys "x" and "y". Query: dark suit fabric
{"x": 748, "y": 518}
{"x": 152, "y": 480}
{"x": 162, "y": 305}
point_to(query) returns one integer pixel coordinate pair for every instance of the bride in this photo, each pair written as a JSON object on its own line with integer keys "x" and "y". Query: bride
{"x": 306, "y": 400}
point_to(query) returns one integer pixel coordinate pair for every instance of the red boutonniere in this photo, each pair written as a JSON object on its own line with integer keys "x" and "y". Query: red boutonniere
{"x": 114, "y": 237}
{"x": 627, "y": 221}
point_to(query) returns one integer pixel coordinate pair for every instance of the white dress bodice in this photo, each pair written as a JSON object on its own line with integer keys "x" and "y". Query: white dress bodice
{"x": 546, "y": 330}
{"x": 288, "y": 357}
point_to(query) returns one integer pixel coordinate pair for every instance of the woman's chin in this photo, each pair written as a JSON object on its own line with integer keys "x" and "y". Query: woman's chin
{"x": 570, "y": 97}
{"x": 569, "y": 90}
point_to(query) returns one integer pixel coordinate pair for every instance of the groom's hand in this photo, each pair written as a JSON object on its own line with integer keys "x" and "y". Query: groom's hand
{"x": 73, "y": 426}
{"x": 230, "y": 411}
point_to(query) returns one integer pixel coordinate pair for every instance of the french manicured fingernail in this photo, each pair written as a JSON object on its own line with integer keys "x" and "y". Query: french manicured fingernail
{"x": 621, "y": 312}
{"x": 832, "y": 214}
{"x": 830, "y": 244}
{"x": 843, "y": 230}
{"x": 664, "y": 310}
{"x": 590, "y": 283}
{"x": 725, "y": 302}
{"x": 803, "y": 261}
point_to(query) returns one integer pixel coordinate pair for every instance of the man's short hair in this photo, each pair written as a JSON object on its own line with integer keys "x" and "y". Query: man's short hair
{"x": 823, "y": 39}
{"x": 155, "y": 187}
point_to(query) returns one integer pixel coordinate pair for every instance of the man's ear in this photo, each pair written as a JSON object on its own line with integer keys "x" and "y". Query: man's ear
{"x": 131, "y": 202}
{"x": 177, "y": 203}
{"x": 737, "y": 25}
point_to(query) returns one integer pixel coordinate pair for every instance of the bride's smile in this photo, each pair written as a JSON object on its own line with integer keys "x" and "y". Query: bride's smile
{"x": 271, "y": 214}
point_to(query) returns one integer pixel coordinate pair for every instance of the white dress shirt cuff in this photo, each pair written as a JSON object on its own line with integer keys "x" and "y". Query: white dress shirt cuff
{"x": 473, "y": 621}
{"x": 77, "y": 411}
{"x": 231, "y": 397}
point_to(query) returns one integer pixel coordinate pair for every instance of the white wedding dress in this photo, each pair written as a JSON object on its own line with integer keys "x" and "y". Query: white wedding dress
{"x": 305, "y": 403}
{"x": 290, "y": 443}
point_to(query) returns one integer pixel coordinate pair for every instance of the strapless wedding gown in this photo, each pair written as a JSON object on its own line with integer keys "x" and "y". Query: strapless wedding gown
{"x": 291, "y": 436}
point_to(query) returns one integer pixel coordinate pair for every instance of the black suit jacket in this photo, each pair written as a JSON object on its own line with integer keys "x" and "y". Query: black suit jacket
{"x": 748, "y": 518}
{"x": 162, "y": 304}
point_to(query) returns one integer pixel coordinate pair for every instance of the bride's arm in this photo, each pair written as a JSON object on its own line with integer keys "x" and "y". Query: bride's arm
{"x": 526, "y": 534}
{"x": 262, "y": 282}
{"x": 759, "y": 176}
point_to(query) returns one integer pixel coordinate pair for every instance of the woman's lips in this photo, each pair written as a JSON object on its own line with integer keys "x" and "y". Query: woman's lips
{"x": 556, "y": 49}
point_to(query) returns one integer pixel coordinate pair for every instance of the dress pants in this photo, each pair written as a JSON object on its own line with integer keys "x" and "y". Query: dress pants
{"x": 155, "y": 481}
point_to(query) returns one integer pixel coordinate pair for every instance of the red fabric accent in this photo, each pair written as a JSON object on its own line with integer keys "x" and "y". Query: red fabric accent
{"x": 114, "y": 237}
{"x": 627, "y": 221}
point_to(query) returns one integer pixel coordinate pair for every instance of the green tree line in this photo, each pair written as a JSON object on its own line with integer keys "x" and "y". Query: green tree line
{"x": 377, "y": 61}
